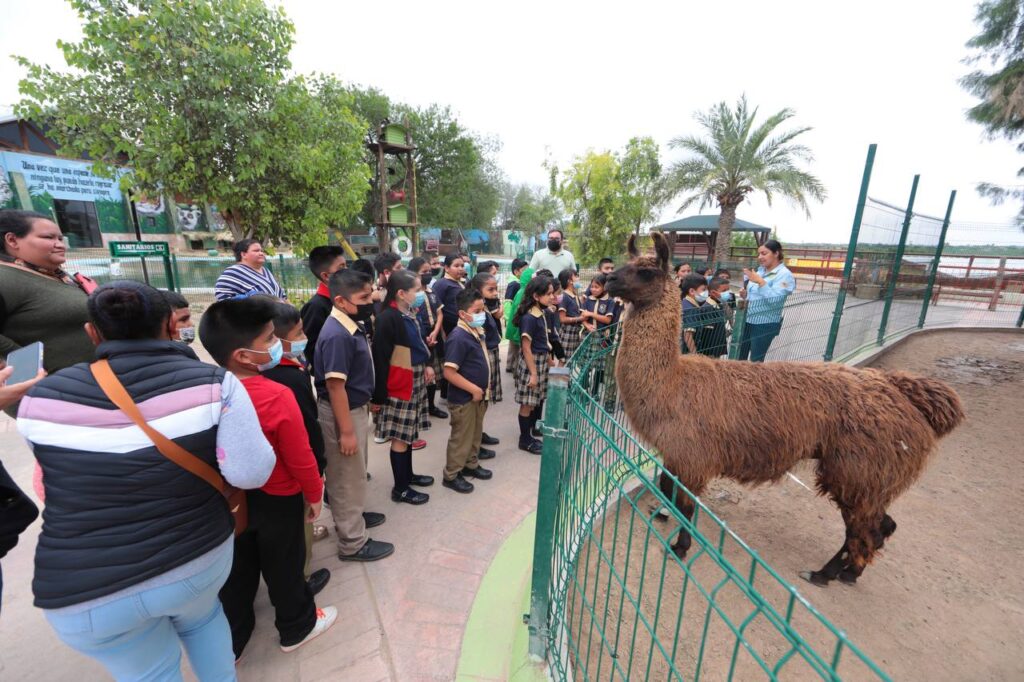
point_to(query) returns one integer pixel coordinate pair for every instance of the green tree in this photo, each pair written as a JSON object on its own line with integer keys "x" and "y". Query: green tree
{"x": 1001, "y": 89}
{"x": 592, "y": 193}
{"x": 193, "y": 97}
{"x": 642, "y": 183}
{"x": 737, "y": 157}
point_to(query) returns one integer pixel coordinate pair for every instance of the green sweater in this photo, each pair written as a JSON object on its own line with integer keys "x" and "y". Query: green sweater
{"x": 37, "y": 308}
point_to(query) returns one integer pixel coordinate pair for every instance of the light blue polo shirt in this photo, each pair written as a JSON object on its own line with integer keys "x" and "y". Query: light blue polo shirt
{"x": 765, "y": 302}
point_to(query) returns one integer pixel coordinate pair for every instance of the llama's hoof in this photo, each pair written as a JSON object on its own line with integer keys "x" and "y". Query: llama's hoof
{"x": 848, "y": 577}
{"x": 815, "y": 578}
{"x": 680, "y": 551}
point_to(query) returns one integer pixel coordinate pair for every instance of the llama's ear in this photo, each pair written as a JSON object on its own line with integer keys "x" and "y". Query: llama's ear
{"x": 631, "y": 247}
{"x": 662, "y": 250}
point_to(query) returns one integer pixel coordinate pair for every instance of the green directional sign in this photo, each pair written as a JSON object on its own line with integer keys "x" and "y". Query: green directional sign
{"x": 124, "y": 249}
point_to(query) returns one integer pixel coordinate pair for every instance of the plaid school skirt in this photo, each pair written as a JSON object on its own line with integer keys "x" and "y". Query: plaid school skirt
{"x": 571, "y": 336}
{"x": 532, "y": 396}
{"x": 403, "y": 419}
{"x": 495, "y": 358}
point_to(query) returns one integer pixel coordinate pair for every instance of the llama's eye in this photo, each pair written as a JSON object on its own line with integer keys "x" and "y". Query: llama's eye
{"x": 646, "y": 275}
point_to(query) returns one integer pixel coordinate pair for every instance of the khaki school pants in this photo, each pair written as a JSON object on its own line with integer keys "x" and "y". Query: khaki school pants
{"x": 467, "y": 432}
{"x": 346, "y": 477}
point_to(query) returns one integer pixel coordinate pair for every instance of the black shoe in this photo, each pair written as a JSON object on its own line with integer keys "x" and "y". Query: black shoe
{"x": 537, "y": 435}
{"x": 422, "y": 480}
{"x": 533, "y": 447}
{"x": 409, "y": 496}
{"x": 373, "y": 519}
{"x": 479, "y": 472}
{"x": 371, "y": 551}
{"x": 486, "y": 454}
{"x": 489, "y": 440}
{"x": 437, "y": 412}
{"x": 318, "y": 580}
{"x": 458, "y": 484}
{"x": 368, "y": 476}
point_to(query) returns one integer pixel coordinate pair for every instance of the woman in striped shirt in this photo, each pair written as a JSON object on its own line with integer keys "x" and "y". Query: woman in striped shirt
{"x": 248, "y": 276}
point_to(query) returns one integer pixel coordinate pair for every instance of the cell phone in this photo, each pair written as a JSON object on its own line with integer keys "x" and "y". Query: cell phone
{"x": 26, "y": 362}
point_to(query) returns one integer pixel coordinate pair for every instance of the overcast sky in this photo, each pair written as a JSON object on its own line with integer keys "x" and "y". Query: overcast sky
{"x": 561, "y": 77}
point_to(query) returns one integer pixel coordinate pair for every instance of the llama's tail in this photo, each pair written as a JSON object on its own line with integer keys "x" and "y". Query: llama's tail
{"x": 935, "y": 399}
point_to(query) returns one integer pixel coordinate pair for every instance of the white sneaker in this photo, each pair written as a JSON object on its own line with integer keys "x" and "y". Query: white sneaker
{"x": 379, "y": 441}
{"x": 325, "y": 618}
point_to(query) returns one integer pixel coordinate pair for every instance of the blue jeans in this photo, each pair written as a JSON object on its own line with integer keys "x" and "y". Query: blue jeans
{"x": 757, "y": 338}
{"x": 139, "y": 637}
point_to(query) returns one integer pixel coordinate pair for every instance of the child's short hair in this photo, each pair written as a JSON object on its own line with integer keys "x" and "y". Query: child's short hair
{"x": 692, "y": 282}
{"x": 416, "y": 263}
{"x": 544, "y": 272}
{"x": 321, "y": 258}
{"x": 486, "y": 266}
{"x": 385, "y": 261}
{"x": 703, "y": 272}
{"x": 722, "y": 271}
{"x": 174, "y": 299}
{"x": 364, "y": 266}
{"x": 604, "y": 260}
{"x": 347, "y": 282}
{"x": 600, "y": 279}
{"x": 518, "y": 264}
{"x": 229, "y": 325}
{"x": 286, "y": 319}
{"x": 717, "y": 283}
{"x": 468, "y": 296}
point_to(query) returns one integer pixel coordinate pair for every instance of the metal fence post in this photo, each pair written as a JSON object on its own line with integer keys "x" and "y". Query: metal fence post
{"x": 851, "y": 251}
{"x": 177, "y": 273}
{"x": 895, "y": 272}
{"x": 739, "y": 322}
{"x": 284, "y": 277}
{"x": 935, "y": 262}
{"x": 1020, "y": 318}
{"x": 551, "y": 468}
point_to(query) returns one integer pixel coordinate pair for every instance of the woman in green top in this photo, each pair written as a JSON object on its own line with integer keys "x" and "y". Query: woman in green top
{"x": 38, "y": 300}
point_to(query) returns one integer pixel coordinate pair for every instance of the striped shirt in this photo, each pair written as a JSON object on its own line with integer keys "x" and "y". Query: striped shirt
{"x": 241, "y": 280}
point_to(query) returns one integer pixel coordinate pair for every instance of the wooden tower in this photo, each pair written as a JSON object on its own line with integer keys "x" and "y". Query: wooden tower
{"x": 394, "y": 185}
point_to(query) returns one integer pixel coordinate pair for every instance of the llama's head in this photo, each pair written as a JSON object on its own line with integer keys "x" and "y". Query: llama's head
{"x": 642, "y": 280}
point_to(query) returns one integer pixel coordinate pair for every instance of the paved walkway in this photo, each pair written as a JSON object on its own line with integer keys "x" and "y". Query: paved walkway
{"x": 401, "y": 618}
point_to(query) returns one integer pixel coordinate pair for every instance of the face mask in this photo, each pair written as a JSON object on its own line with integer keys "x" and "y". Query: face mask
{"x": 276, "y": 352}
{"x": 187, "y": 335}
{"x": 701, "y": 297}
{"x": 478, "y": 320}
{"x": 436, "y": 271}
{"x": 298, "y": 348}
{"x": 578, "y": 286}
{"x": 554, "y": 244}
{"x": 363, "y": 313}
{"x": 419, "y": 300}
{"x": 426, "y": 279}
{"x": 726, "y": 295}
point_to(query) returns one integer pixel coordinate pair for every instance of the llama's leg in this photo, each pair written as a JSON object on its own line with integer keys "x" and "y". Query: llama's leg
{"x": 685, "y": 506}
{"x": 830, "y": 571}
{"x": 865, "y": 548}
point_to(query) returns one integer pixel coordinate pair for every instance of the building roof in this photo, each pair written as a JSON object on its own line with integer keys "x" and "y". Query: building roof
{"x": 708, "y": 223}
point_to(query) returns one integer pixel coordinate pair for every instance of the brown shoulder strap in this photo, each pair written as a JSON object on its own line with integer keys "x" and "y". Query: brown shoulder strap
{"x": 114, "y": 390}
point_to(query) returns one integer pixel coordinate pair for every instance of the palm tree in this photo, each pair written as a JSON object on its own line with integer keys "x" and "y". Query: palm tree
{"x": 737, "y": 158}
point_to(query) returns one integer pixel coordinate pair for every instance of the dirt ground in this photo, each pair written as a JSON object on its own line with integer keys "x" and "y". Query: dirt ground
{"x": 944, "y": 601}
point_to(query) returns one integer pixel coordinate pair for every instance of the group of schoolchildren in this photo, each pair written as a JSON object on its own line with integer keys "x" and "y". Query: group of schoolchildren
{"x": 708, "y": 309}
{"x": 550, "y": 315}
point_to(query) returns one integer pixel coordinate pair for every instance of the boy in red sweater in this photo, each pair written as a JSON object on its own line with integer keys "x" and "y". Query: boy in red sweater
{"x": 239, "y": 334}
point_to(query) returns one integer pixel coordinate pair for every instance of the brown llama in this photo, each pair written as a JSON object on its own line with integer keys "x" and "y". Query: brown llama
{"x": 870, "y": 431}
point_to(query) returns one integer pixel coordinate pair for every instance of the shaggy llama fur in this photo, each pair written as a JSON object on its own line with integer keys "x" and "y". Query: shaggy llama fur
{"x": 871, "y": 432}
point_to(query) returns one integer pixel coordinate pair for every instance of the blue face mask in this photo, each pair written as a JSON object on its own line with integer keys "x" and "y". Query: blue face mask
{"x": 276, "y": 352}
{"x": 701, "y": 297}
{"x": 478, "y": 320}
{"x": 420, "y": 299}
{"x": 578, "y": 286}
{"x": 298, "y": 348}
{"x": 726, "y": 295}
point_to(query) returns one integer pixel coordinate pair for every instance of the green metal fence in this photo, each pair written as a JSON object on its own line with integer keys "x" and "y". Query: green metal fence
{"x": 610, "y": 600}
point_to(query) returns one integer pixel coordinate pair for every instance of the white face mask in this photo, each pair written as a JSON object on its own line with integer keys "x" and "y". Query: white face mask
{"x": 187, "y": 335}
{"x": 701, "y": 297}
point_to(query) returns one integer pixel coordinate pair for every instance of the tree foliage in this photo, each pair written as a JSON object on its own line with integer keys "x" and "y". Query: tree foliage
{"x": 736, "y": 157}
{"x": 193, "y": 97}
{"x": 1001, "y": 88}
{"x": 608, "y": 195}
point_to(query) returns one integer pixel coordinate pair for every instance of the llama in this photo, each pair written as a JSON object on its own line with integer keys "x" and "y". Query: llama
{"x": 870, "y": 431}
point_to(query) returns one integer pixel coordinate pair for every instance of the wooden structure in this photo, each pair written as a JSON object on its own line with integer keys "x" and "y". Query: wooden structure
{"x": 694, "y": 237}
{"x": 394, "y": 184}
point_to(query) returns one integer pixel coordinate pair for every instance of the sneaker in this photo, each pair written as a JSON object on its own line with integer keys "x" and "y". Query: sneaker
{"x": 533, "y": 447}
{"x": 379, "y": 441}
{"x": 373, "y": 519}
{"x": 410, "y": 496}
{"x": 422, "y": 480}
{"x": 489, "y": 440}
{"x": 458, "y": 484}
{"x": 486, "y": 453}
{"x": 325, "y": 618}
{"x": 418, "y": 444}
{"x": 371, "y": 551}
{"x": 479, "y": 472}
